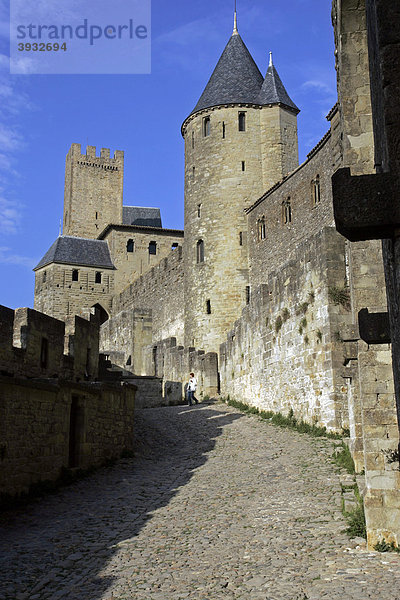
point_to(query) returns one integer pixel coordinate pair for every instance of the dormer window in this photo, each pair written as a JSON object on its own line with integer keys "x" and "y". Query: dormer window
{"x": 242, "y": 121}
{"x": 206, "y": 126}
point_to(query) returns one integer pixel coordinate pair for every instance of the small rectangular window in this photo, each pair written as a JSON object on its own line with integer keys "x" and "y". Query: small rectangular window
{"x": 199, "y": 210}
{"x": 242, "y": 121}
{"x": 208, "y": 307}
{"x": 192, "y": 139}
{"x": 223, "y": 130}
{"x": 206, "y": 126}
{"x": 130, "y": 246}
{"x": 200, "y": 251}
{"x": 243, "y": 165}
{"x": 44, "y": 276}
{"x": 98, "y": 277}
{"x": 247, "y": 294}
{"x": 193, "y": 172}
{"x": 44, "y": 353}
{"x": 75, "y": 275}
{"x": 153, "y": 248}
{"x": 240, "y": 238}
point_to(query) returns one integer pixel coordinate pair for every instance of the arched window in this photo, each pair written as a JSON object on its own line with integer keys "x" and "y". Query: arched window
{"x": 130, "y": 246}
{"x": 286, "y": 211}
{"x": 75, "y": 275}
{"x": 98, "y": 277}
{"x": 153, "y": 248}
{"x": 200, "y": 251}
{"x": 261, "y": 229}
{"x": 206, "y": 126}
{"x": 316, "y": 190}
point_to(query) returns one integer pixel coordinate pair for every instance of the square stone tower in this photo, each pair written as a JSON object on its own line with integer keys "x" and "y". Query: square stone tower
{"x": 93, "y": 191}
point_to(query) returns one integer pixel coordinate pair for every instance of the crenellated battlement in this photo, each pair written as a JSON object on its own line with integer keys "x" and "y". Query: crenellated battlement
{"x": 91, "y": 154}
{"x": 33, "y": 344}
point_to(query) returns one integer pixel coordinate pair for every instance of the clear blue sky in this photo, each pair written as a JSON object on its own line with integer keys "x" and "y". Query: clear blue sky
{"x": 41, "y": 115}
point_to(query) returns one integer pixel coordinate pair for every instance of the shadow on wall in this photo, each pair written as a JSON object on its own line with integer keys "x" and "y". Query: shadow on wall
{"x": 62, "y": 543}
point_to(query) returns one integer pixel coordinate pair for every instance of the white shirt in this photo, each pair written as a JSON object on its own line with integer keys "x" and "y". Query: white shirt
{"x": 192, "y": 384}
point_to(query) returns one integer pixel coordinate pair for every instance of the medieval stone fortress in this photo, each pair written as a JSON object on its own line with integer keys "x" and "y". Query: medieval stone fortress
{"x": 260, "y": 296}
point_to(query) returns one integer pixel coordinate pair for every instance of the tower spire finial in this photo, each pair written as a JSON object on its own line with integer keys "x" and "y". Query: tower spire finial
{"x": 270, "y": 59}
{"x": 235, "y": 29}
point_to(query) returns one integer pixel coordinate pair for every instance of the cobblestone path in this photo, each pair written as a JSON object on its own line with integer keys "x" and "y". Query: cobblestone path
{"x": 216, "y": 505}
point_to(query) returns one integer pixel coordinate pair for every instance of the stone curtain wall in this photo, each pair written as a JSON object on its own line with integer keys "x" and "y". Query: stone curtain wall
{"x": 132, "y": 265}
{"x": 38, "y": 437}
{"x": 174, "y": 363}
{"x": 60, "y": 297}
{"x": 285, "y": 352}
{"x": 161, "y": 290}
{"x": 282, "y": 239}
{"x": 123, "y": 337}
{"x": 35, "y": 345}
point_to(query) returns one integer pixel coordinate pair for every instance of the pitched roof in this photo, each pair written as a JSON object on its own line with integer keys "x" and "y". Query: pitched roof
{"x": 140, "y": 215}
{"x": 236, "y": 78}
{"x": 78, "y": 251}
{"x": 273, "y": 91}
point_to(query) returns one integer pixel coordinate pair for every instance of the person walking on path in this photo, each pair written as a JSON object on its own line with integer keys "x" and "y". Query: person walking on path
{"x": 192, "y": 386}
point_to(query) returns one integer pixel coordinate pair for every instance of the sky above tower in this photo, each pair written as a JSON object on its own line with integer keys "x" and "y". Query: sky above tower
{"x": 42, "y": 115}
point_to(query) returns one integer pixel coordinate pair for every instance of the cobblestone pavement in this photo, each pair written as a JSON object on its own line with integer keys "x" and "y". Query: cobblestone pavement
{"x": 216, "y": 505}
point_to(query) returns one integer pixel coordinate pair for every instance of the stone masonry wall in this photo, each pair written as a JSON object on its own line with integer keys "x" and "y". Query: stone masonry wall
{"x": 58, "y": 296}
{"x": 285, "y": 352}
{"x": 45, "y": 427}
{"x": 173, "y": 364}
{"x": 36, "y": 345}
{"x": 307, "y": 216}
{"x": 162, "y": 291}
{"x": 131, "y": 265}
{"x": 93, "y": 191}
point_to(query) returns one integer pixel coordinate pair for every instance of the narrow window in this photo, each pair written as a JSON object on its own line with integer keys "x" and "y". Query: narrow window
{"x": 97, "y": 215}
{"x": 286, "y": 211}
{"x": 242, "y": 121}
{"x": 193, "y": 172}
{"x": 261, "y": 229}
{"x": 44, "y": 353}
{"x": 240, "y": 238}
{"x": 200, "y": 251}
{"x": 174, "y": 245}
{"x": 75, "y": 275}
{"x": 192, "y": 139}
{"x": 206, "y": 126}
{"x": 153, "y": 248}
{"x": 130, "y": 245}
{"x": 223, "y": 130}
{"x": 208, "y": 307}
{"x": 98, "y": 277}
{"x": 199, "y": 210}
{"x": 88, "y": 360}
{"x": 247, "y": 294}
{"x": 44, "y": 276}
{"x": 243, "y": 165}
{"x": 316, "y": 185}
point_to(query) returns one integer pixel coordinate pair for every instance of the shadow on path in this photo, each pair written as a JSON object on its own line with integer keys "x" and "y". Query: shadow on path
{"x": 58, "y": 546}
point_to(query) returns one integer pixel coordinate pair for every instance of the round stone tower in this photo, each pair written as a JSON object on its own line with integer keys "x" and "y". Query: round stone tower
{"x": 240, "y": 139}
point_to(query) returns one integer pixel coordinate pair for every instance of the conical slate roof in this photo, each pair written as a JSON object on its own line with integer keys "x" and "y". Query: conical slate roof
{"x": 236, "y": 78}
{"x": 273, "y": 91}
